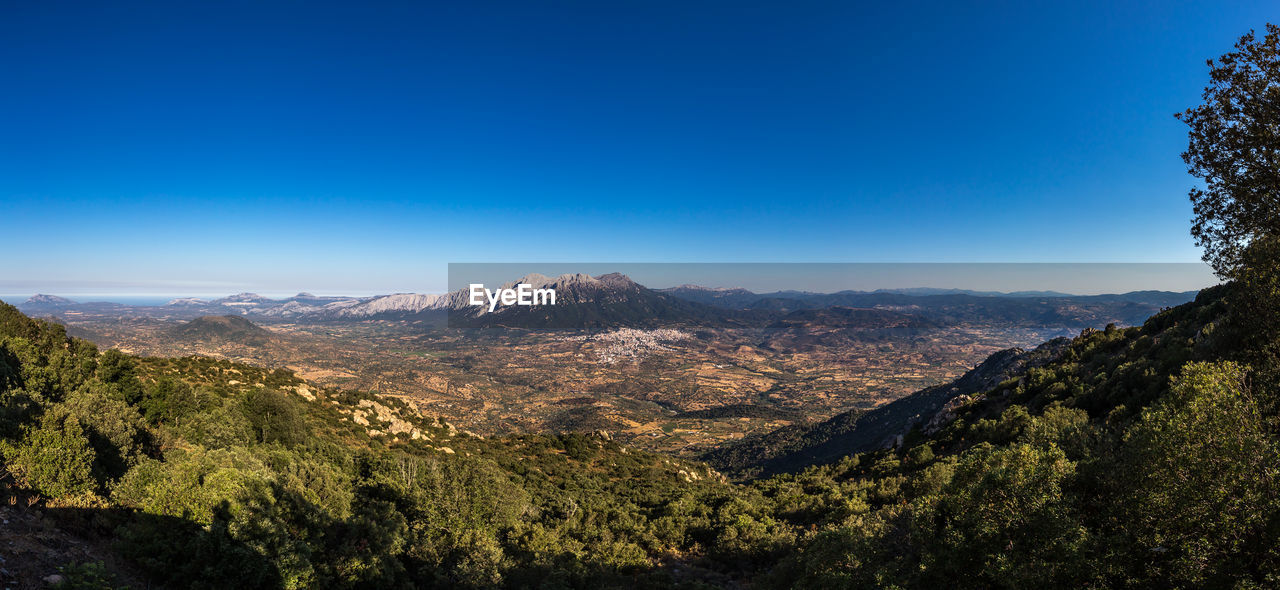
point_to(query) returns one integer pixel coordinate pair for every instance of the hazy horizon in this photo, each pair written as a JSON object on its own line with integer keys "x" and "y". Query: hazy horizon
{"x": 1073, "y": 279}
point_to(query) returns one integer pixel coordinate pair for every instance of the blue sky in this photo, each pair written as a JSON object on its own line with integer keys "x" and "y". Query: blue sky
{"x": 360, "y": 147}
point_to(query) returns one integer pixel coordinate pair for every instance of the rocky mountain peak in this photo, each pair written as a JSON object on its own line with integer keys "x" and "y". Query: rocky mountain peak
{"x": 616, "y": 279}
{"x": 43, "y": 299}
{"x": 243, "y": 298}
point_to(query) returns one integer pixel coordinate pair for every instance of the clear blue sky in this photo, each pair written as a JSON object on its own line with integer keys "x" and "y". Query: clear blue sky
{"x": 358, "y": 148}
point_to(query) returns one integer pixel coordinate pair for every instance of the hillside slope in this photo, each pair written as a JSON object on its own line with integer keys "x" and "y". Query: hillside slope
{"x": 219, "y": 329}
{"x": 795, "y": 447}
{"x": 206, "y": 473}
{"x": 1137, "y": 458}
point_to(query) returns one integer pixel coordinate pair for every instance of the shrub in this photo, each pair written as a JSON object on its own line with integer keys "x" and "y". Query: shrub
{"x": 55, "y": 459}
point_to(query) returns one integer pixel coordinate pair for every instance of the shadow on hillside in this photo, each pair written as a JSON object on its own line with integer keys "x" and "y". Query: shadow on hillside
{"x": 170, "y": 551}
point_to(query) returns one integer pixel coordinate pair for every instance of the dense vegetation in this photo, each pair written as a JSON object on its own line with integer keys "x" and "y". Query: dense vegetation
{"x": 216, "y": 474}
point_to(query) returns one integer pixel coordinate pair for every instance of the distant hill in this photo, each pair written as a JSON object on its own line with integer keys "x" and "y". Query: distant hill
{"x": 46, "y": 304}
{"x": 243, "y": 299}
{"x": 735, "y": 298}
{"x": 795, "y": 447}
{"x": 221, "y": 329}
{"x": 738, "y": 298}
{"x": 41, "y": 304}
{"x": 187, "y": 301}
{"x": 841, "y": 326}
{"x": 1072, "y": 312}
{"x": 42, "y": 299}
{"x": 935, "y": 291}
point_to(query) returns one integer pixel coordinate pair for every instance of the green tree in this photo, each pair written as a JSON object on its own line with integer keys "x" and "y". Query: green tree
{"x": 117, "y": 368}
{"x": 114, "y": 428}
{"x": 55, "y": 459}
{"x": 1235, "y": 148}
{"x": 168, "y": 400}
{"x": 1203, "y": 471}
{"x": 274, "y": 417}
{"x": 1007, "y": 519}
{"x": 190, "y": 485}
{"x": 1254, "y": 325}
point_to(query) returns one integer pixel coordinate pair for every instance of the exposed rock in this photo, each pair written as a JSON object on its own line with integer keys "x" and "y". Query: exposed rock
{"x": 385, "y": 415}
{"x": 397, "y": 303}
{"x": 305, "y": 392}
{"x": 946, "y": 415}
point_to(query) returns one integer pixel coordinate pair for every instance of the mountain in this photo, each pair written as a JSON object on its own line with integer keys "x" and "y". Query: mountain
{"x": 585, "y": 302}
{"x": 305, "y": 298}
{"x": 187, "y": 302}
{"x": 46, "y": 304}
{"x": 925, "y": 297}
{"x": 732, "y": 298}
{"x": 243, "y": 299}
{"x": 1156, "y": 298}
{"x": 614, "y": 300}
{"x": 221, "y": 329}
{"x": 935, "y": 291}
{"x": 795, "y": 447}
{"x": 41, "y": 299}
{"x": 383, "y": 305}
{"x": 308, "y": 306}
{"x": 52, "y": 304}
{"x": 1026, "y": 309}
{"x": 290, "y": 308}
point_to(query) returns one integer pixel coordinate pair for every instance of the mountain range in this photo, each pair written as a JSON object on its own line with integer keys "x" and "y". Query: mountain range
{"x": 614, "y": 300}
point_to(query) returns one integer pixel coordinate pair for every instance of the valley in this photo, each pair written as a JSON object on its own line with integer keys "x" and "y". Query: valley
{"x": 708, "y": 374}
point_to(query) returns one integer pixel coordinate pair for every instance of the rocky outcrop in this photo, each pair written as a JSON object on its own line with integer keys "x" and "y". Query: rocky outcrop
{"x": 369, "y": 409}
{"x": 946, "y": 415}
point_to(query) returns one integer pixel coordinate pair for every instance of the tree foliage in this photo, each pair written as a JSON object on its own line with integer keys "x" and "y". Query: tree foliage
{"x": 1235, "y": 148}
{"x": 55, "y": 458}
{"x": 1203, "y": 474}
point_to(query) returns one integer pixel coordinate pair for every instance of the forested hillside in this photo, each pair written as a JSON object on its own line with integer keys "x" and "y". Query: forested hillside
{"x": 213, "y": 474}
